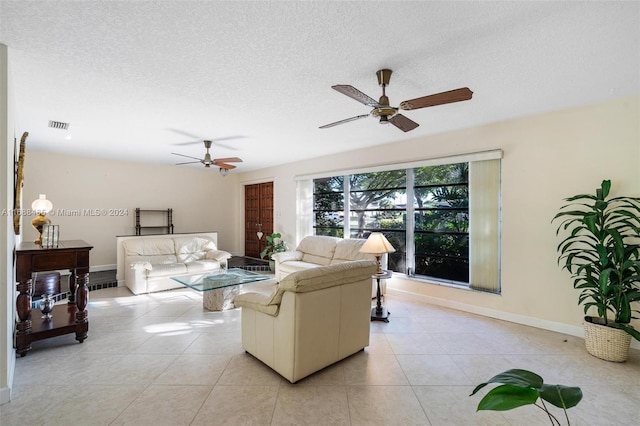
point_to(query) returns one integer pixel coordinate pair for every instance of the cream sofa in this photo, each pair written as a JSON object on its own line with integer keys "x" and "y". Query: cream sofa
{"x": 149, "y": 263}
{"x": 313, "y": 318}
{"x": 318, "y": 250}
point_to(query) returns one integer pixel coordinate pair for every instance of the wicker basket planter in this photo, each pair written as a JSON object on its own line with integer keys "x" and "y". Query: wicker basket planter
{"x": 605, "y": 342}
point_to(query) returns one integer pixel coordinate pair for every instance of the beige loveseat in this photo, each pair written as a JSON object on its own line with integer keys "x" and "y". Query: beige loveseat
{"x": 313, "y": 319}
{"x": 319, "y": 250}
{"x": 149, "y": 263}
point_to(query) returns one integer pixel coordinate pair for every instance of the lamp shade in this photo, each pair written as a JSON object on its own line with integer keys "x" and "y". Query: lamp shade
{"x": 377, "y": 244}
{"x": 42, "y": 205}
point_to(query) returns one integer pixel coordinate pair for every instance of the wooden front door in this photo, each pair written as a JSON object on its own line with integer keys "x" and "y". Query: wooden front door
{"x": 258, "y": 216}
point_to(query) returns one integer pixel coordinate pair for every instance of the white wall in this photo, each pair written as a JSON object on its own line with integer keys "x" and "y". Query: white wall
{"x": 7, "y": 289}
{"x": 201, "y": 199}
{"x": 546, "y": 158}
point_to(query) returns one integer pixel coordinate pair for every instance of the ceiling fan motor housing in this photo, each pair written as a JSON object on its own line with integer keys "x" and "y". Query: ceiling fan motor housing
{"x": 384, "y": 111}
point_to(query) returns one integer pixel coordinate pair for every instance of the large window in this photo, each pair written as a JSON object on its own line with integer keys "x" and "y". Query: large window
{"x": 377, "y": 203}
{"x": 426, "y": 212}
{"x": 328, "y": 206}
{"x": 441, "y": 226}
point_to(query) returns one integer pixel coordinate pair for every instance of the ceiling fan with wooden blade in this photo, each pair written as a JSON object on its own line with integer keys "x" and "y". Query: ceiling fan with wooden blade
{"x": 208, "y": 161}
{"x": 388, "y": 114}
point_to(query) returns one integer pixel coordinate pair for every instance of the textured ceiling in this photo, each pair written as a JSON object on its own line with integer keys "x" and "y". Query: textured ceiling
{"x": 135, "y": 79}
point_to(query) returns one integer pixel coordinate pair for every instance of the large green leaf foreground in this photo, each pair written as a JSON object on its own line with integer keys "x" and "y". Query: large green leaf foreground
{"x": 522, "y": 387}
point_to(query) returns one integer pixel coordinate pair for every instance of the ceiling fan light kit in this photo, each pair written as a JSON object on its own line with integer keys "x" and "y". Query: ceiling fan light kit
{"x": 388, "y": 114}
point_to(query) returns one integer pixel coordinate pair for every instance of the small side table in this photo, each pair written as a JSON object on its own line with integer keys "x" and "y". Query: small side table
{"x": 72, "y": 318}
{"x": 379, "y": 312}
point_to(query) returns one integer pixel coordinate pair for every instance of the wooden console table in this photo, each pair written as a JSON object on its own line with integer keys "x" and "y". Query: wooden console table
{"x": 72, "y": 318}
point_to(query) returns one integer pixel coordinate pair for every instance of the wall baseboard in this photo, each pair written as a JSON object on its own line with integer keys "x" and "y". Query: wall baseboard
{"x": 5, "y": 392}
{"x": 100, "y": 268}
{"x": 95, "y": 268}
{"x": 5, "y": 395}
{"x": 558, "y": 327}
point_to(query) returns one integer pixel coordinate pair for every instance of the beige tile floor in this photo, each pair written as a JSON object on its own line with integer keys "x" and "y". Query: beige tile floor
{"x": 161, "y": 359}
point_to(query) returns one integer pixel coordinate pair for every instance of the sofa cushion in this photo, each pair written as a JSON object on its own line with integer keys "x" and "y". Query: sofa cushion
{"x": 318, "y": 249}
{"x": 166, "y": 269}
{"x": 349, "y": 249}
{"x": 202, "y": 266}
{"x": 217, "y": 255}
{"x": 189, "y": 249}
{"x": 295, "y": 266}
{"x": 149, "y": 247}
{"x": 161, "y": 259}
{"x": 287, "y": 256}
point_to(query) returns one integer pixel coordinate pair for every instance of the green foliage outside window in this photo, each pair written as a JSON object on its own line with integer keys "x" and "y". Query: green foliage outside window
{"x": 377, "y": 202}
{"x": 329, "y": 206}
{"x": 442, "y": 221}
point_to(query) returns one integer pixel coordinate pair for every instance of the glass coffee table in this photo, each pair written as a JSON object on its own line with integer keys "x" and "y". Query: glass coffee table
{"x": 219, "y": 289}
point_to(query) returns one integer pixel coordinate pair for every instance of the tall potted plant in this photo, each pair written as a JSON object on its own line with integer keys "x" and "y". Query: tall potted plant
{"x": 601, "y": 251}
{"x": 274, "y": 245}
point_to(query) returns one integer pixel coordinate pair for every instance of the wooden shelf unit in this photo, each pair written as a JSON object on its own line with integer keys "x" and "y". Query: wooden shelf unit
{"x": 168, "y": 227}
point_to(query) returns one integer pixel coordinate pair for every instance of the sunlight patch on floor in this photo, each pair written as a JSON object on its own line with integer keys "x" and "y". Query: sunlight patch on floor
{"x": 169, "y": 328}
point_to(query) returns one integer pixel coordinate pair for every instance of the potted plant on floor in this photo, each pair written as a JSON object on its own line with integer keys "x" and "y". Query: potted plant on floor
{"x": 275, "y": 244}
{"x": 601, "y": 251}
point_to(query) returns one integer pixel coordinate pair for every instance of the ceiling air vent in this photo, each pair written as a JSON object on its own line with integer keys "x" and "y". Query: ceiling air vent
{"x": 58, "y": 125}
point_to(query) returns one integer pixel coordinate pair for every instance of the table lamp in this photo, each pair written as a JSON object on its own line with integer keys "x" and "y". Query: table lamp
{"x": 377, "y": 244}
{"x": 41, "y": 207}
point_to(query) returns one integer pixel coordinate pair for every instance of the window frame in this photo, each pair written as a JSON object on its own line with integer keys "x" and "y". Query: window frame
{"x": 306, "y": 217}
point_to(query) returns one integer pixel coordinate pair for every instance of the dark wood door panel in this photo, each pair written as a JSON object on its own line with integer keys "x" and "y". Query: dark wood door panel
{"x": 258, "y": 216}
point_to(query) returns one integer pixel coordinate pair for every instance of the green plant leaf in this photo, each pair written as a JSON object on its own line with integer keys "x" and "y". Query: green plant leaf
{"x": 506, "y": 397}
{"x": 273, "y": 246}
{"x": 561, "y": 396}
{"x": 605, "y": 188}
{"x": 515, "y": 377}
{"x": 263, "y": 253}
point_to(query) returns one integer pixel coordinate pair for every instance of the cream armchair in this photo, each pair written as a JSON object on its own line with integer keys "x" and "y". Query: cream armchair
{"x": 313, "y": 319}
